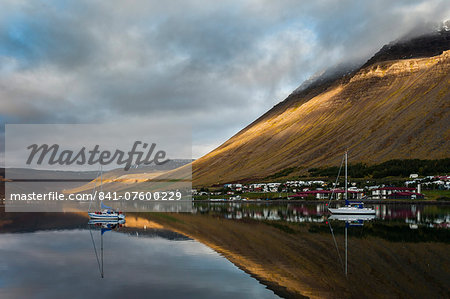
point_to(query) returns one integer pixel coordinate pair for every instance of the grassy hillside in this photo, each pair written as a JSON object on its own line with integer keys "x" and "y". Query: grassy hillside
{"x": 395, "y": 109}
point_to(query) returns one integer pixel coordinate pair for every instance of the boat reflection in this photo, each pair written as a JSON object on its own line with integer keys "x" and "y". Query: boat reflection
{"x": 104, "y": 225}
{"x": 350, "y": 220}
{"x": 353, "y": 220}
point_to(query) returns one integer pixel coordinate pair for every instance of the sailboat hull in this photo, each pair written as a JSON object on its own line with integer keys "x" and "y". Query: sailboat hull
{"x": 106, "y": 216}
{"x": 352, "y": 211}
{"x": 106, "y": 221}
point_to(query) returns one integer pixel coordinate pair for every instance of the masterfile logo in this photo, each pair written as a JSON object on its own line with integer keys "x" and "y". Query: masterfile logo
{"x": 132, "y": 168}
{"x": 95, "y": 156}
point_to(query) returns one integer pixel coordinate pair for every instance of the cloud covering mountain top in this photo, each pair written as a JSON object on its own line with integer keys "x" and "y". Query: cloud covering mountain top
{"x": 215, "y": 65}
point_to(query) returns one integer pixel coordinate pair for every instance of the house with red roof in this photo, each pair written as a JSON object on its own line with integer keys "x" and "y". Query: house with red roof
{"x": 386, "y": 192}
{"x": 405, "y": 195}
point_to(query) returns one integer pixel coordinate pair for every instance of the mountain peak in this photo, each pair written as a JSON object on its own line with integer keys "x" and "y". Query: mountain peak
{"x": 427, "y": 41}
{"x": 424, "y": 45}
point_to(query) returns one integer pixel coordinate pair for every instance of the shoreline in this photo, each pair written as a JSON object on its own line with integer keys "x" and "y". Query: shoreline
{"x": 285, "y": 201}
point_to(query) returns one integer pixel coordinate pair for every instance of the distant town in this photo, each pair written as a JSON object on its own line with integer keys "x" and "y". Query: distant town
{"x": 415, "y": 188}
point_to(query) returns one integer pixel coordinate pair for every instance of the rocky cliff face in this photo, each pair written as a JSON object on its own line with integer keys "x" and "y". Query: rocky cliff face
{"x": 391, "y": 107}
{"x": 418, "y": 47}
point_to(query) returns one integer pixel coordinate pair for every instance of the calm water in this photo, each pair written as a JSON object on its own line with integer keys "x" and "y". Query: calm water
{"x": 53, "y": 255}
{"x": 137, "y": 263}
{"x": 402, "y": 251}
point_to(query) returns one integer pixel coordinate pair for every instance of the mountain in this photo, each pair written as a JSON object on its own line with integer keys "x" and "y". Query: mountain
{"x": 85, "y": 181}
{"x": 136, "y": 178}
{"x": 395, "y": 106}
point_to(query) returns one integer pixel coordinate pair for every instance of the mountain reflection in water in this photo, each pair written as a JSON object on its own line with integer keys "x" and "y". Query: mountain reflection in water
{"x": 403, "y": 252}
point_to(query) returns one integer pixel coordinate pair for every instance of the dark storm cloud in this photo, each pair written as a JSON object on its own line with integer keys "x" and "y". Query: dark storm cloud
{"x": 217, "y": 66}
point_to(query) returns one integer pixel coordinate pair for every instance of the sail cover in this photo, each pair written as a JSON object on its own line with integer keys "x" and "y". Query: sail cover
{"x": 105, "y": 206}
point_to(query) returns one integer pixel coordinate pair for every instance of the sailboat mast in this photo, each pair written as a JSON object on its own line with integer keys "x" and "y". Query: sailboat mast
{"x": 346, "y": 187}
{"x": 101, "y": 177}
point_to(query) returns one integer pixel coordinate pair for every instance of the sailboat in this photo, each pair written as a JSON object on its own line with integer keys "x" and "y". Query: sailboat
{"x": 105, "y": 213}
{"x": 351, "y": 207}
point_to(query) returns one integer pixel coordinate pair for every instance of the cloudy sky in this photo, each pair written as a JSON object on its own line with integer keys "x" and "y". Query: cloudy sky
{"x": 215, "y": 65}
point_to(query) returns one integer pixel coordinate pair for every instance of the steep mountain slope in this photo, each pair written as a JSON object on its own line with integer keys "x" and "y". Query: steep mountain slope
{"x": 390, "y": 108}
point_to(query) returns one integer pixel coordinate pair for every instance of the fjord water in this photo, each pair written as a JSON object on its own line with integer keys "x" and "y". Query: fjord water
{"x": 293, "y": 249}
{"x": 137, "y": 263}
{"x": 404, "y": 251}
